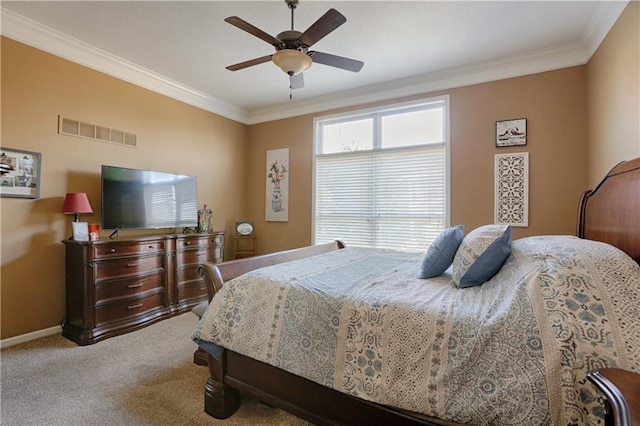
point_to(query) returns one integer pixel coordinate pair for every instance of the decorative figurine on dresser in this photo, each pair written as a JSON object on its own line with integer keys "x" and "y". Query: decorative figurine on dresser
{"x": 117, "y": 286}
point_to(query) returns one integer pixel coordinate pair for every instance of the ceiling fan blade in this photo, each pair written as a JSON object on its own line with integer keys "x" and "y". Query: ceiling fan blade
{"x": 296, "y": 81}
{"x": 245, "y": 26}
{"x": 250, "y": 63}
{"x": 336, "y": 61}
{"x": 323, "y": 26}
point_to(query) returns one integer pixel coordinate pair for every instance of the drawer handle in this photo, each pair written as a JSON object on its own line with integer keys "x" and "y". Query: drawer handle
{"x": 201, "y": 288}
{"x": 150, "y": 247}
{"x": 133, "y": 264}
{"x": 112, "y": 250}
{"x": 135, "y": 285}
{"x": 134, "y": 306}
{"x": 188, "y": 243}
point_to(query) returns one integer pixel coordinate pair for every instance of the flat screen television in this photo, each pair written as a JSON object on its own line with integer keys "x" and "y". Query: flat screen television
{"x": 145, "y": 199}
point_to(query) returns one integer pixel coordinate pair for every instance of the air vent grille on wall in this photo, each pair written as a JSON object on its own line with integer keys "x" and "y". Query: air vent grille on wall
{"x": 67, "y": 126}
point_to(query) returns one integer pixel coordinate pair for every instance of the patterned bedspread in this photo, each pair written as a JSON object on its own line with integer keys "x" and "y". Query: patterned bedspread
{"x": 515, "y": 350}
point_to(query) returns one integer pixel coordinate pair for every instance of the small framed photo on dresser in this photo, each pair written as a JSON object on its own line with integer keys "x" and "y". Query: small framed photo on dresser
{"x": 80, "y": 231}
{"x": 511, "y": 132}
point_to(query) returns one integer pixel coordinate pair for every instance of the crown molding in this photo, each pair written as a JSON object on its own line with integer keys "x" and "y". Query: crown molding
{"x": 513, "y": 66}
{"x": 36, "y": 35}
{"x": 601, "y": 21}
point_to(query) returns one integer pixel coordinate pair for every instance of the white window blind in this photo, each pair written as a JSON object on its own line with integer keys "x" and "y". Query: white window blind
{"x": 385, "y": 198}
{"x": 160, "y": 204}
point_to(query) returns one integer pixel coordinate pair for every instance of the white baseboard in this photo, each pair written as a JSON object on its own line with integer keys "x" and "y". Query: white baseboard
{"x": 4, "y": 343}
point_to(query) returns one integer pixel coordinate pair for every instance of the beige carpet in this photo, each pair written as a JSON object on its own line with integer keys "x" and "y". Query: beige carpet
{"x": 142, "y": 378}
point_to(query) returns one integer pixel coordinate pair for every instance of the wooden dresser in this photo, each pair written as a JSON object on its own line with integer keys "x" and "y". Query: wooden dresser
{"x": 117, "y": 286}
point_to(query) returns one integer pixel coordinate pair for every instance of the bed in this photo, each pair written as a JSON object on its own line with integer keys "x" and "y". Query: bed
{"x": 521, "y": 363}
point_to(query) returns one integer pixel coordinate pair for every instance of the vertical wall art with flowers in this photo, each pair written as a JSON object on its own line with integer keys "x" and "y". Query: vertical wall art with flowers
{"x": 277, "y": 185}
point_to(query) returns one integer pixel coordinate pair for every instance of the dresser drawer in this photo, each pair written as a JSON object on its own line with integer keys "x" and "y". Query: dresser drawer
{"x": 115, "y": 289}
{"x": 188, "y": 273}
{"x": 127, "y": 267}
{"x": 121, "y": 249}
{"x": 127, "y": 308}
{"x": 192, "y": 242}
{"x": 217, "y": 239}
{"x": 192, "y": 290}
{"x": 187, "y": 257}
{"x": 200, "y": 241}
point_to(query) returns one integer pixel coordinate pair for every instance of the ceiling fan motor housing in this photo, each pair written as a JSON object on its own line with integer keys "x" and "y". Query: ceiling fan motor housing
{"x": 290, "y": 40}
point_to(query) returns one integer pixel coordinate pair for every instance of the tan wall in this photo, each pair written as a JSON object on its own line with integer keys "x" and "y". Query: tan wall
{"x": 613, "y": 88}
{"x": 172, "y": 137}
{"x": 554, "y": 104}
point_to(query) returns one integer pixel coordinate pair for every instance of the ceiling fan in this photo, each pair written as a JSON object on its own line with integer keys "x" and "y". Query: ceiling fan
{"x": 292, "y": 47}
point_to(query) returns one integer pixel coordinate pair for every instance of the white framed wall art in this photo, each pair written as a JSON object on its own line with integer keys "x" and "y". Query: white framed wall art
{"x": 277, "y": 186}
{"x": 512, "y": 189}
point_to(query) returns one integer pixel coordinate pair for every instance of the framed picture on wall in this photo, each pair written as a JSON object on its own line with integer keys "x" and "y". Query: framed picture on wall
{"x": 19, "y": 173}
{"x": 277, "y": 185}
{"x": 511, "y": 132}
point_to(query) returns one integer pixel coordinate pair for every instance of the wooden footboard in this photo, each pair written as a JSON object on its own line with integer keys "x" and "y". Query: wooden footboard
{"x": 231, "y": 373}
{"x": 215, "y": 275}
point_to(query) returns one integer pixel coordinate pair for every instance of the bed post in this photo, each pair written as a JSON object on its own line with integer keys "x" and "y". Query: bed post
{"x": 220, "y": 399}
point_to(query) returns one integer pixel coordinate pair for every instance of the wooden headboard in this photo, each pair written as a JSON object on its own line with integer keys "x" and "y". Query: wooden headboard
{"x": 611, "y": 212}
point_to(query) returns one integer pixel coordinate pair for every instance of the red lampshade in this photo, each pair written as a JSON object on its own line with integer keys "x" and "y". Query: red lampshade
{"x": 76, "y": 203}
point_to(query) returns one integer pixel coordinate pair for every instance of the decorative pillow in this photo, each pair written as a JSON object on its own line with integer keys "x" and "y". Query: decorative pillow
{"x": 441, "y": 252}
{"x": 481, "y": 255}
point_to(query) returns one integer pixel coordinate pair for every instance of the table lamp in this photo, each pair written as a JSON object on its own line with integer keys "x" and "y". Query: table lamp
{"x": 76, "y": 203}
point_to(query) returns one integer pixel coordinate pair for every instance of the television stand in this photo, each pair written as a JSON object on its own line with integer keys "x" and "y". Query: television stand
{"x": 117, "y": 286}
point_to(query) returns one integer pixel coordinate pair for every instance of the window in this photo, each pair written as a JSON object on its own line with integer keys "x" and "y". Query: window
{"x": 381, "y": 176}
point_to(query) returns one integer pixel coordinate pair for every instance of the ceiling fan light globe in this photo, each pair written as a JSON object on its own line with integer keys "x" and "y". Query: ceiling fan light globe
{"x": 291, "y": 61}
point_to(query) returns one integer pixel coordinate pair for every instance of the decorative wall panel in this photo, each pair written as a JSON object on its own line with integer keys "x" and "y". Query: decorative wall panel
{"x": 512, "y": 189}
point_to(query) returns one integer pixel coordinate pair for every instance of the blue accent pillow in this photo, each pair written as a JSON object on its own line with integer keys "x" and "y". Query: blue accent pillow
{"x": 441, "y": 252}
{"x": 481, "y": 255}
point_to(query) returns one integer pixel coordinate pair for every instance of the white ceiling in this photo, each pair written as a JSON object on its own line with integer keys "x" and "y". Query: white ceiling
{"x": 181, "y": 48}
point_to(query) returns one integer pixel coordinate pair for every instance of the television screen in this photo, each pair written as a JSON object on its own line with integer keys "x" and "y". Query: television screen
{"x": 134, "y": 198}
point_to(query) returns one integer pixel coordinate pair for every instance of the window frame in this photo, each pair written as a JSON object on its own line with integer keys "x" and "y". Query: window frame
{"x": 381, "y": 111}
